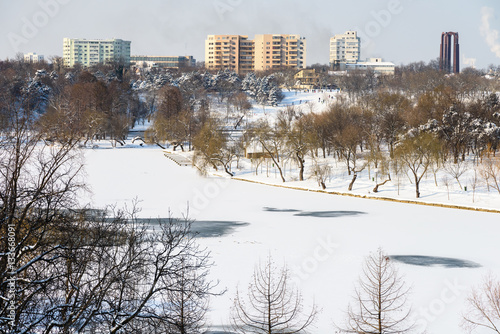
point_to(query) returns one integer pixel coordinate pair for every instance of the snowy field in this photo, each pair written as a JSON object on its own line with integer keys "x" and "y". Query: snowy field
{"x": 323, "y": 238}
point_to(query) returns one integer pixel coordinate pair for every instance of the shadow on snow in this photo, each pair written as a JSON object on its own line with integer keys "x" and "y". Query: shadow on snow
{"x": 204, "y": 228}
{"x": 317, "y": 214}
{"x": 434, "y": 261}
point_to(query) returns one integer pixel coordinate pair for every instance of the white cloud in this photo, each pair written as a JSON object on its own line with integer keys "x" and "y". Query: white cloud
{"x": 490, "y": 35}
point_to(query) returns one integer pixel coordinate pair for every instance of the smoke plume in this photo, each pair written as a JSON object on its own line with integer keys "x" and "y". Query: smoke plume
{"x": 490, "y": 35}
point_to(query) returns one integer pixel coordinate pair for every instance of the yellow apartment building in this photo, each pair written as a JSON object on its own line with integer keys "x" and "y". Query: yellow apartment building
{"x": 265, "y": 52}
{"x": 279, "y": 51}
{"x": 234, "y": 52}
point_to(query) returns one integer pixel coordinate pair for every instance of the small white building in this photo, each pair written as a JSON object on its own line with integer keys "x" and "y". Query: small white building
{"x": 377, "y": 65}
{"x": 33, "y": 58}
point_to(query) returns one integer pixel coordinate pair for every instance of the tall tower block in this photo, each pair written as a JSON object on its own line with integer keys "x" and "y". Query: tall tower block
{"x": 445, "y": 54}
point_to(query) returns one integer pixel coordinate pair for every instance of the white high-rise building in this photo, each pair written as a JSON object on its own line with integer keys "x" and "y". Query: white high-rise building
{"x": 89, "y": 52}
{"x": 33, "y": 58}
{"x": 345, "y": 48}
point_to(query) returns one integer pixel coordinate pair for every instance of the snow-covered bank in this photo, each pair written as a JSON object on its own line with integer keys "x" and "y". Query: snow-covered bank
{"x": 373, "y": 197}
{"x": 438, "y": 187}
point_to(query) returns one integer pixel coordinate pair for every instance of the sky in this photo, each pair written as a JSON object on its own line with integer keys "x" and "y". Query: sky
{"x": 401, "y": 31}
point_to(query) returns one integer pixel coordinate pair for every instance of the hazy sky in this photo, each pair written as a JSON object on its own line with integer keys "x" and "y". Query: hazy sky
{"x": 401, "y": 31}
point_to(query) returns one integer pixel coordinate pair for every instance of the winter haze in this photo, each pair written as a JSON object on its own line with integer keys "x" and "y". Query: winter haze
{"x": 401, "y": 31}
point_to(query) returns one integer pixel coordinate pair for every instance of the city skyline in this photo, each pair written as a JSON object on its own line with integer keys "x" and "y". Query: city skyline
{"x": 401, "y": 31}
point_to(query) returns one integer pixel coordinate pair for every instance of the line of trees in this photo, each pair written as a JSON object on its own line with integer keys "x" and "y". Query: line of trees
{"x": 71, "y": 103}
{"x": 386, "y": 130}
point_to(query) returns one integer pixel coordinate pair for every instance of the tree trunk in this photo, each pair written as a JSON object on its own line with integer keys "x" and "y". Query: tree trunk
{"x": 354, "y": 177}
{"x": 301, "y": 166}
{"x": 279, "y": 168}
{"x": 348, "y": 160}
{"x": 275, "y": 161}
{"x": 160, "y": 145}
{"x": 281, "y": 173}
{"x": 227, "y": 170}
{"x": 417, "y": 186}
{"x": 381, "y": 184}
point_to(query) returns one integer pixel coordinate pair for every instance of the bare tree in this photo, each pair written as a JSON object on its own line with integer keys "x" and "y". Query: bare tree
{"x": 299, "y": 135}
{"x": 322, "y": 131}
{"x": 456, "y": 170}
{"x": 347, "y": 144}
{"x": 474, "y": 181}
{"x": 490, "y": 170}
{"x": 242, "y": 106}
{"x": 173, "y": 121}
{"x": 148, "y": 269}
{"x": 38, "y": 183}
{"x": 346, "y": 131}
{"x": 384, "y": 167}
{"x": 272, "y": 305}
{"x": 380, "y": 305}
{"x": 389, "y": 110}
{"x": 321, "y": 172}
{"x": 446, "y": 182}
{"x": 273, "y": 141}
{"x": 186, "y": 303}
{"x": 417, "y": 154}
{"x": 484, "y": 307}
{"x": 213, "y": 148}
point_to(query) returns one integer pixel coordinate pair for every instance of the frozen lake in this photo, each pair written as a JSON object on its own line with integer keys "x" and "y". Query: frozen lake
{"x": 322, "y": 238}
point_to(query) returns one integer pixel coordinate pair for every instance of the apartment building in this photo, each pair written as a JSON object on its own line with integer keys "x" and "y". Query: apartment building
{"x": 89, "y": 52}
{"x": 279, "y": 51}
{"x": 234, "y": 52}
{"x": 345, "y": 48}
{"x": 175, "y": 62}
{"x": 33, "y": 58}
{"x": 265, "y": 52}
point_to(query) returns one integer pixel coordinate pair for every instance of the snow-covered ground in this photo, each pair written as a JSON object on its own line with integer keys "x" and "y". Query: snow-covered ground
{"x": 303, "y": 101}
{"x": 323, "y": 238}
{"x": 306, "y": 101}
